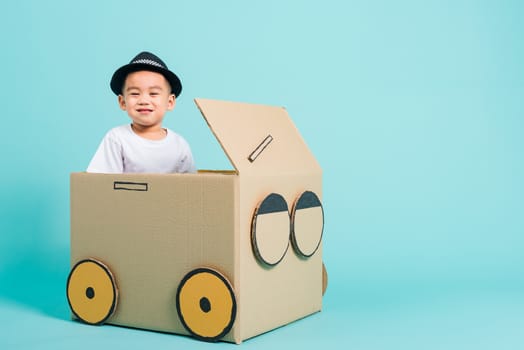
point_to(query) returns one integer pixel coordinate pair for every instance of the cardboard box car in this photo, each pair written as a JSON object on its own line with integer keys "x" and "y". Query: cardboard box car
{"x": 220, "y": 255}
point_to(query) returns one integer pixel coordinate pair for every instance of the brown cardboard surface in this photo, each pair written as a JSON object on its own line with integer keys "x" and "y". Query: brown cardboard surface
{"x": 153, "y": 230}
{"x": 274, "y": 296}
{"x": 270, "y": 296}
{"x": 243, "y": 129}
{"x": 151, "y": 239}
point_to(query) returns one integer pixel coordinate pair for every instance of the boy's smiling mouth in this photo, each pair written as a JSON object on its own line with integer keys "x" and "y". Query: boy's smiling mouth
{"x": 144, "y": 110}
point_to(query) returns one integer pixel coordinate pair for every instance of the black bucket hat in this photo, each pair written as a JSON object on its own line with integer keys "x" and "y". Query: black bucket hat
{"x": 145, "y": 61}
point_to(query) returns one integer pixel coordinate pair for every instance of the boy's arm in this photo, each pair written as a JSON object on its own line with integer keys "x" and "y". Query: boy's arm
{"x": 188, "y": 164}
{"x": 108, "y": 158}
{"x": 185, "y": 162}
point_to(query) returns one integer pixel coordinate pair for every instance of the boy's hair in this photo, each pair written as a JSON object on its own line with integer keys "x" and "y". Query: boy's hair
{"x": 145, "y": 61}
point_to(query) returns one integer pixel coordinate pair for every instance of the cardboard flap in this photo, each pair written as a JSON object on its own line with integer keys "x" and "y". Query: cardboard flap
{"x": 257, "y": 138}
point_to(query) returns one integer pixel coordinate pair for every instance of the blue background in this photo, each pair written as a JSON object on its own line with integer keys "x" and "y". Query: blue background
{"x": 414, "y": 109}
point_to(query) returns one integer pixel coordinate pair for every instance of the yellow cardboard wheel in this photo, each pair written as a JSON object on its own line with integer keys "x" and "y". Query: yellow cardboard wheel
{"x": 206, "y": 304}
{"x": 91, "y": 291}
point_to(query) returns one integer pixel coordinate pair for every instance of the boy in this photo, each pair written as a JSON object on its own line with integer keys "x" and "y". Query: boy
{"x": 146, "y": 90}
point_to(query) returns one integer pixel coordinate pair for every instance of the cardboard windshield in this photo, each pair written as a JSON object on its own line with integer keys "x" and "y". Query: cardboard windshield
{"x": 258, "y": 139}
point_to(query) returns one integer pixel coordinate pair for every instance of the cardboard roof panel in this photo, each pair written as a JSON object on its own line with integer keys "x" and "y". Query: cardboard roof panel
{"x": 258, "y": 139}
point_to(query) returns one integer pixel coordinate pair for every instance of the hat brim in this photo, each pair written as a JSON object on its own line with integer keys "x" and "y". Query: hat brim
{"x": 119, "y": 77}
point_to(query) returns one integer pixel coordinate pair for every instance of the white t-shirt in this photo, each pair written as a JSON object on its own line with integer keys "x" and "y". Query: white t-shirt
{"x": 123, "y": 151}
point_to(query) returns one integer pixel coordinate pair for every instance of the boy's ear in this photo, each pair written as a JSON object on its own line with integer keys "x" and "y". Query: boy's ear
{"x": 171, "y": 102}
{"x": 122, "y": 102}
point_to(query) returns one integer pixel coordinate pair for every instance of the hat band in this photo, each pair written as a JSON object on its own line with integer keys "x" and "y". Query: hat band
{"x": 151, "y": 62}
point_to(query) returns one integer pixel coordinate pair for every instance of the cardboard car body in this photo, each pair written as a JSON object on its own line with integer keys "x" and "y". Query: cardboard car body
{"x": 151, "y": 232}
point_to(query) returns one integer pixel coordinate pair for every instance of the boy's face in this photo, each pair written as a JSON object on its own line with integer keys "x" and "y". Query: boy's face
{"x": 146, "y": 96}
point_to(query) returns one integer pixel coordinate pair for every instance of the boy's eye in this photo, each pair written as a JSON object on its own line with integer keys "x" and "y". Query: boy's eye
{"x": 154, "y": 94}
{"x": 134, "y": 94}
